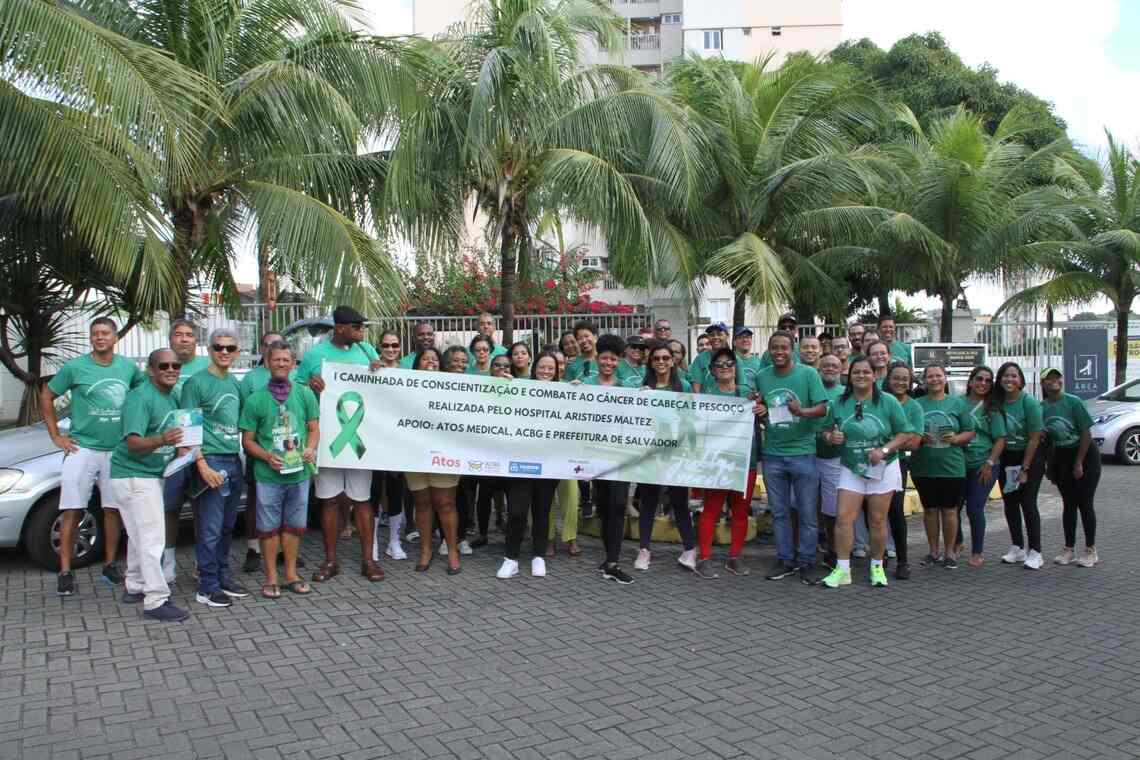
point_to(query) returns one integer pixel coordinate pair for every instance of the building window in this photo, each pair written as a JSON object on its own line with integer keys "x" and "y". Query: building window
{"x": 671, "y": 18}
{"x": 720, "y": 309}
{"x": 593, "y": 262}
{"x": 712, "y": 39}
{"x": 777, "y": 31}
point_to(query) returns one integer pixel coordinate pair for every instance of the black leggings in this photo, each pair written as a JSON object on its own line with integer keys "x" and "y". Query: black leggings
{"x": 465, "y": 505}
{"x": 1022, "y": 503}
{"x": 609, "y": 498}
{"x": 678, "y": 502}
{"x": 896, "y": 518}
{"x": 488, "y": 487}
{"x": 1077, "y": 495}
{"x": 392, "y": 485}
{"x": 529, "y": 496}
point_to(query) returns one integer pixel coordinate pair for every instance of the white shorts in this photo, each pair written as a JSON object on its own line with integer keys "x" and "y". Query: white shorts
{"x": 828, "y": 485}
{"x": 891, "y": 482}
{"x": 80, "y": 473}
{"x": 333, "y": 481}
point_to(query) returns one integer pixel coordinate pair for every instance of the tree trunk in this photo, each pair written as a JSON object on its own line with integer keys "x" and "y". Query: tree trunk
{"x": 187, "y": 236}
{"x": 30, "y": 402}
{"x": 263, "y": 288}
{"x": 508, "y": 279}
{"x": 884, "y": 299}
{"x": 739, "y": 307}
{"x": 1122, "y": 341}
{"x": 946, "y": 328}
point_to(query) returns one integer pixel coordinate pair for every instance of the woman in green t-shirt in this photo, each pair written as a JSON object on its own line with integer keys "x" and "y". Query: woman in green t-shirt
{"x": 520, "y": 359}
{"x": 1075, "y": 466}
{"x": 939, "y": 465}
{"x": 982, "y": 456}
{"x": 481, "y": 347}
{"x": 899, "y": 383}
{"x": 388, "y": 487}
{"x": 1022, "y": 468}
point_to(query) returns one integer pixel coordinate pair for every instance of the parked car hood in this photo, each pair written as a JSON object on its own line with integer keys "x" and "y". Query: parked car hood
{"x": 1097, "y": 408}
{"x": 24, "y": 443}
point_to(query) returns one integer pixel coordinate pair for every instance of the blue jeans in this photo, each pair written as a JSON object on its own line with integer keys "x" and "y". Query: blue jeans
{"x": 793, "y": 484}
{"x": 176, "y": 489}
{"x": 282, "y": 507}
{"x": 217, "y": 512}
{"x": 976, "y": 496}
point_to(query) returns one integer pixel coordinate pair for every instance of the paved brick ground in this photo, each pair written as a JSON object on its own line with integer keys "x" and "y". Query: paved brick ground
{"x": 996, "y": 663}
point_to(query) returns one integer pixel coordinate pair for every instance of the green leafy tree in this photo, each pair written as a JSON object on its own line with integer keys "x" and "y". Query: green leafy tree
{"x": 1103, "y": 261}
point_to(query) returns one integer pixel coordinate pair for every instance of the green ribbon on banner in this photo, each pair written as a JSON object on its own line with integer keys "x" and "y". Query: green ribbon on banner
{"x": 349, "y": 424}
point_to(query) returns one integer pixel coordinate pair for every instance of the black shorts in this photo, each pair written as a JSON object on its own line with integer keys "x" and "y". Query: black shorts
{"x": 939, "y": 493}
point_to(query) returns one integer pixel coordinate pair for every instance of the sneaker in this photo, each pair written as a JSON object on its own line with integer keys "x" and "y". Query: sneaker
{"x": 1034, "y": 560}
{"x": 1014, "y": 556}
{"x": 132, "y": 597}
{"x": 615, "y": 573}
{"x": 413, "y": 536}
{"x": 688, "y": 559}
{"x": 65, "y": 584}
{"x": 705, "y": 569}
{"x": 442, "y": 549}
{"x": 216, "y": 599}
{"x": 252, "y": 562}
{"x": 859, "y": 554}
{"x": 642, "y": 561}
{"x": 395, "y": 551}
{"x": 167, "y": 613}
{"x": 509, "y": 569}
{"x": 781, "y": 570}
{"x": 878, "y": 576}
{"x": 112, "y": 575}
{"x": 1066, "y": 557}
{"x": 465, "y": 548}
{"x": 930, "y": 560}
{"x": 736, "y": 566}
{"x": 602, "y": 567}
{"x": 537, "y": 567}
{"x": 1089, "y": 558}
{"x": 234, "y": 590}
{"x": 808, "y": 576}
{"x": 836, "y": 578}
{"x": 902, "y": 571}
{"x": 950, "y": 563}
{"x": 892, "y": 554}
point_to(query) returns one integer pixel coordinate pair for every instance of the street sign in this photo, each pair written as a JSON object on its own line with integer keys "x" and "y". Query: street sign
{"x": 959, "y": 357}
{"x": 1086, "y": 361}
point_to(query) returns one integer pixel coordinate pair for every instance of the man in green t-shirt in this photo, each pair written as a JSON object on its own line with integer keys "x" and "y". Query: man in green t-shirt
{"x": 346, "y": 345}
{"x": 633, "y": 363}
{"x": 900, "y": 351}
{"x": 149, "y": 438}
{"x": 486, "y": 330}
{"x": 272, "y": 421}
{"x": 699, "y": 374}
{"x": 98, "y": 383}
{"x": 424, "y": 335}
{"x": 788, "y": 324}
{"x": 826, "y": 455}
{"x": 793, "y": 399}
{"x": 217, "y": 393}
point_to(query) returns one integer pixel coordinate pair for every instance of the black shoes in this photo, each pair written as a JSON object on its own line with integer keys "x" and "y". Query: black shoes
{"x": 781, "y": 570}
{"x": 615, "y": 573}
{"x": 65, "y": 585}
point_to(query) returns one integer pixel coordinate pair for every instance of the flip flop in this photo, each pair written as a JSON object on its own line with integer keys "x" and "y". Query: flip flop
{"x": 422, "y": 568}
{"x": 299, "y": 587}
{"x": 271, "y": 591}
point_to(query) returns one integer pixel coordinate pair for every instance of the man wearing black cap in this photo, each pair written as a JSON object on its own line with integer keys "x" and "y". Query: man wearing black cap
{"x": 717, "y": 333}
{"x": 346, "y": 345}
{"x": 787, "y": 323}
{"x": 633, "y": 365}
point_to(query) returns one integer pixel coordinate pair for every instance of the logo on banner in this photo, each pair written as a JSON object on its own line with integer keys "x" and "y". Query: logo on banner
{"x": 1086, "y": 365}
{"x": 525, "y": 468}
{"x": 582, "y": 467}
{"x": 349, "y": 424}
{"x": 439, "y": 460}
{"x": 489, "y": 467}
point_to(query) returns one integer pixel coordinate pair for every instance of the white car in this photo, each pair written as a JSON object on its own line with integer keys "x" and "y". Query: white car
{"x": 1116, "y": 422}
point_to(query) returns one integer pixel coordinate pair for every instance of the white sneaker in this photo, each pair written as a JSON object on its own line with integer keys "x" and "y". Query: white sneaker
{"x": 169, "y": 565}
{"x": 1089, "y": 558}
{"x": 892, "y": 554}
{"x": 395, "y": 551}
{"x": 509, "y": 569}
{"x": 537, "y": 567}
{"x": 442, "y": 549}
{"x": 1015, "y": 555}
{"x": 1065, "y": 557}
{"x": 642, "y": 561}
{"x": 413, "y": 536}
{"x": 465, "y": 548}
{"x": 1034, "y": 560}
{"x": 688, "y": 559}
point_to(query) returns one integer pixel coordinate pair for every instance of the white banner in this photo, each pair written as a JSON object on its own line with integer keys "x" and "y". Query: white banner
{"x": 409, "y": 421}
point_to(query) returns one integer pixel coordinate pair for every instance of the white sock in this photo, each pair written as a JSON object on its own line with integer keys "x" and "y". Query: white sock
{"x": 876, "y": 563}
{"x": 845, "y": 565}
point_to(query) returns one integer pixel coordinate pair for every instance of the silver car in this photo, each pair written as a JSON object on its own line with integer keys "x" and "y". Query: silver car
{"x": 1116, "y": 422}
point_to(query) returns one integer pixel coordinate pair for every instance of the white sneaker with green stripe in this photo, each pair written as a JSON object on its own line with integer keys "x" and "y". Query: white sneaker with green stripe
{"x": 878, "y": 576}
{"x": 836, "y": 578}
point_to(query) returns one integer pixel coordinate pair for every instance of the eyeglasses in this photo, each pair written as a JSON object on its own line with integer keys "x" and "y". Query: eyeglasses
{"x": 226, "y": 349}
{"x": 389, "y": 345}
{"x": 859, "y": 410}
{"x": 166, "y": 366}
{"x": 723, "y": 365}
{"x": 501, "y": 365}
{"x": 483, "y": 350}
{"x": 656, "y": 359}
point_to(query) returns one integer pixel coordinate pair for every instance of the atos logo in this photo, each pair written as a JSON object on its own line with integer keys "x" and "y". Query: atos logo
{"x": 525, "y": 468}
{"x": 578, "y": 469}
{"x": 442, "y": 461}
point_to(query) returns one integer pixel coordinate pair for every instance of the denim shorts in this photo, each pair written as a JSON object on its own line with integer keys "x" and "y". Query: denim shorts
{"x": 282, "y": 507}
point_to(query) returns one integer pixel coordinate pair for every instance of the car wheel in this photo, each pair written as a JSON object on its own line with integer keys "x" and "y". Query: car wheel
{"x": 1128, "y": 446}
{"x": 41, "y": 535}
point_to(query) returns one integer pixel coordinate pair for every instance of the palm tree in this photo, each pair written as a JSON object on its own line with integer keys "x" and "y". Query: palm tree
{"x": 785, "y": 141}
{"x": 1102, "y": 262}
{"x": 967, "y": 200}
{"x": 515, "y": 126}
{"x": 263, "y": 141}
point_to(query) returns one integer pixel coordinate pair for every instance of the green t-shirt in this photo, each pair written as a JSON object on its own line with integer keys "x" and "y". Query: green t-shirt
{"x": 326, "y": 350}
{"x": 220, "y": 402}
{"x": 747, "y": 367}
{"x": 496, "y": 351}
{"x": 914, "y": 416}
{"x": 1022, "y": 417}
{"x": 900, "y": 351}
{"x": 988, "y": 427}
{"x": 596, "y": 379}
{"x": 258, "y": 378}
{"x": 1066, "y": 420}
{"x": 795, "y": 438}
{"x": 191, "y": 368}
{"x": 823, "y": 449}
{"x": 880, "y": 423}
{"x": 949, "y": 414}
{"x": 279, "y": 428}
{"x": 740, "y": 392}
{"x": 626, "y": 370}
{"x": 97, "y": 397}
{"x": 635, "y": 381}
{"x": 580, "y": 369}
{"x": 146, "y": 412}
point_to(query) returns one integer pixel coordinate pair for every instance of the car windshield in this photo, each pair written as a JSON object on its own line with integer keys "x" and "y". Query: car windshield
{"x": 1130, "y": 391}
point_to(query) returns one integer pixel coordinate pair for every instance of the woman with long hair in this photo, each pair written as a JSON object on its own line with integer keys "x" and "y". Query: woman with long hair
{"x": 1022, "y": 467}
{"x": 520, "y": 359}
{"x": 870, "y": 428}
{"x": 389, "y": 487}
{"x": 983, "y": 454}
{"x": 1075, "y": 466}
{"x": 900, "y": 382}
{"x": 939, "y": 464}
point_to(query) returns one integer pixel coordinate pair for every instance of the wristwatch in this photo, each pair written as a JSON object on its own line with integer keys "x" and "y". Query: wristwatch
{"x": 886, "y": 451}
{"x": 990, "y": 463}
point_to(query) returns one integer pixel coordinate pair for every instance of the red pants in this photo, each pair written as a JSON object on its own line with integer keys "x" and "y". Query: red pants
{"x": 739, "y": 504}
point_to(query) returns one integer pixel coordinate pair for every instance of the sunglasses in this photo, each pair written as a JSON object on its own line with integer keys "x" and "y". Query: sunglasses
{"x": 224, "y": 349}
{"x": 859, "y": 410}
{"x": 501, "y": 365}
{"x": 166, "y": 366}
{"x": 662, "y": 358}
{"x": 389, "y": 345}
{"x": 723, "y": 365}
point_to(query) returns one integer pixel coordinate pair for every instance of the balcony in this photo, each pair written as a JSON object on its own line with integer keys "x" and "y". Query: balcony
{"x": 637, "y": 8}
{"x": 651, "y": 41}
{"x": 643, "y": 49}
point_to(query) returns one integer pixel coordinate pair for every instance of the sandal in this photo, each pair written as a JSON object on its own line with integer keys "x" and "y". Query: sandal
{"x": 371, "y": 571}
{"x": 299, "y": 587}
{"x": 573, "y": 549}
{"x": 271, "y": 591}
{"x": 422, "y": 567}
{"x": 454, "y": 570}
{"x": 325, "y": 571}
{"x": 347, "y": 533}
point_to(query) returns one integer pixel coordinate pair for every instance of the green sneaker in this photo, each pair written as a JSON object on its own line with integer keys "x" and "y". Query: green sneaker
{"x": 878, "y": 576}
{"x": 837, "y": 577}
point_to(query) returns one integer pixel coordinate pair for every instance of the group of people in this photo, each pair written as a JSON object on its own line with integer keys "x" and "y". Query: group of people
{"x": 840, "y": 423}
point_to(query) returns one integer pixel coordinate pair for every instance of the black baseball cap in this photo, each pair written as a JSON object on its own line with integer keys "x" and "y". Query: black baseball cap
{"x": 346, "y": 315}
{"x": 636, "y": 341}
